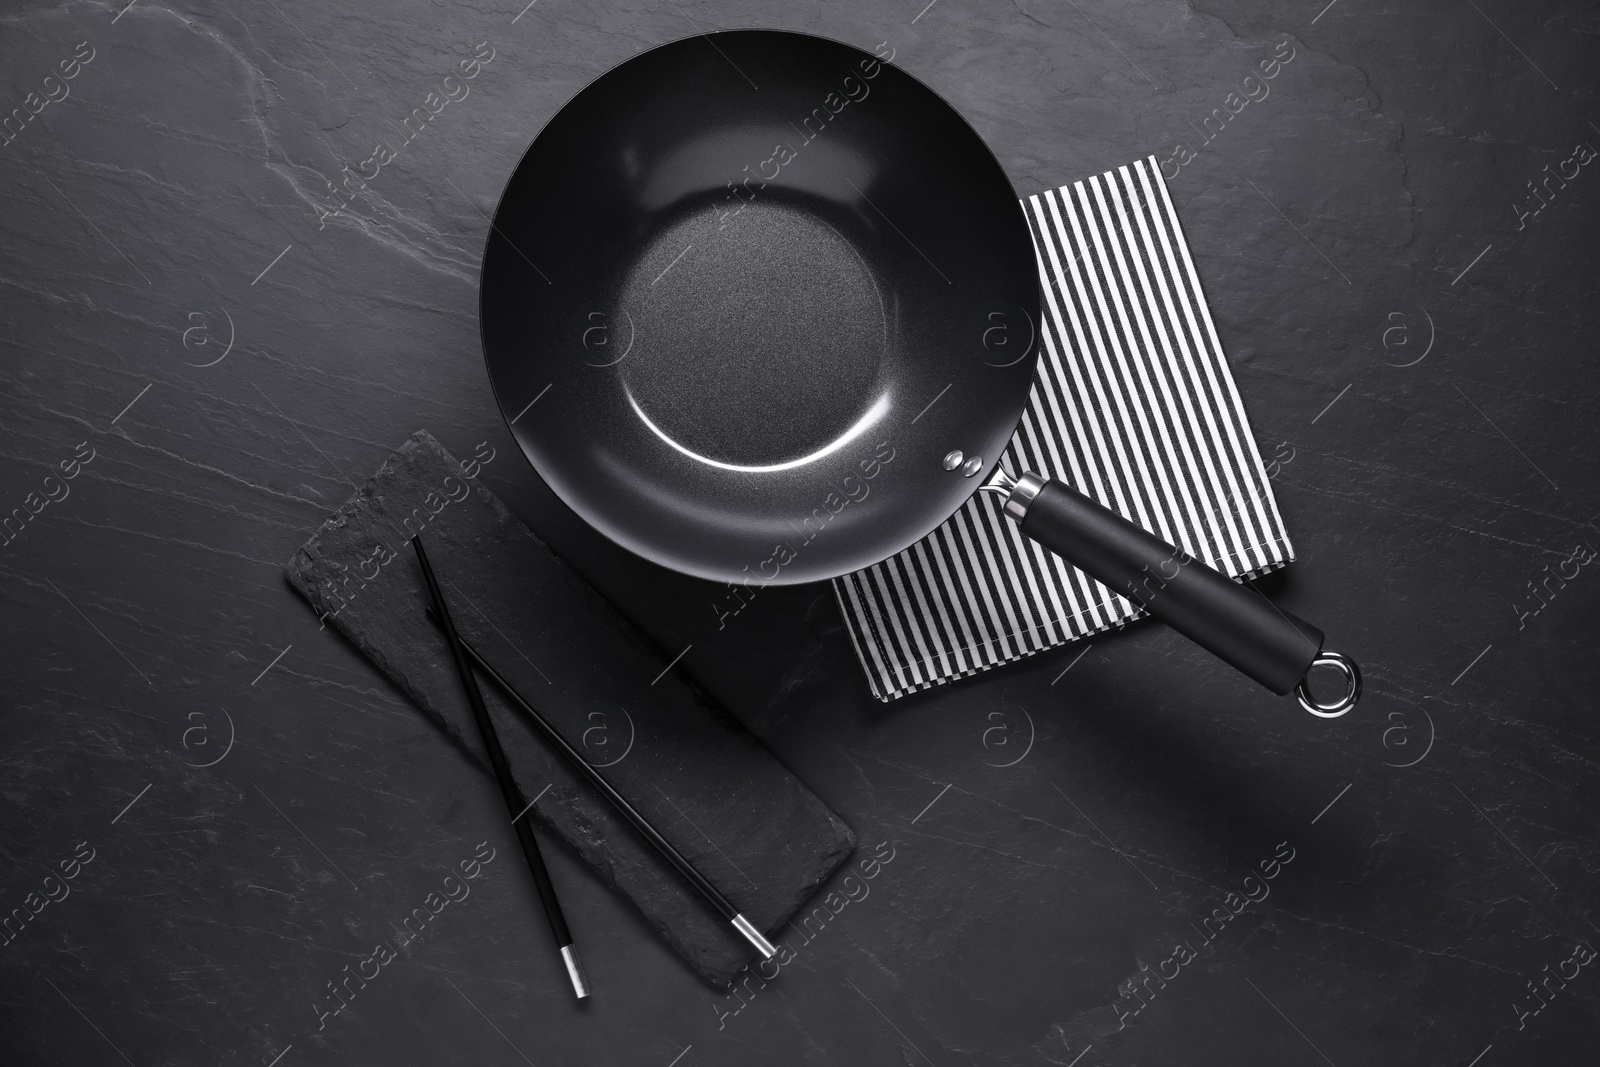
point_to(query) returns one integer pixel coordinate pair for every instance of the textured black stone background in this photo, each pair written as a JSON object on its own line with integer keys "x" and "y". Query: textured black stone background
{"x": 1331, "y": 221}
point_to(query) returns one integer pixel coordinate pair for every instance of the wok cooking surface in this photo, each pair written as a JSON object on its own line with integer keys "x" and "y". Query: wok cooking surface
{"x": 755, "y": 286}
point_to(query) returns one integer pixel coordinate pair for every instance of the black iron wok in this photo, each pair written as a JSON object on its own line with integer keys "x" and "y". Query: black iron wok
{"x": 761, "y": 307}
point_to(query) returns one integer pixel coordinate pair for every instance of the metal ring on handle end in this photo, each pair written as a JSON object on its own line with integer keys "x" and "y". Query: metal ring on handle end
{"x": 1352, "y": 693}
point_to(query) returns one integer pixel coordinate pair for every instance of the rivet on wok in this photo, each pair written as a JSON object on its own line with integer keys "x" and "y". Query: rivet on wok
{"x": 953, "y": 460}
{"x": 973, "y": 466}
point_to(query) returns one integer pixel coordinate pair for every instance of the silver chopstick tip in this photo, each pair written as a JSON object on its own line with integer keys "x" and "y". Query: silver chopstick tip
{"x": 580, "y": 983}
{"x": 752, "y": 935}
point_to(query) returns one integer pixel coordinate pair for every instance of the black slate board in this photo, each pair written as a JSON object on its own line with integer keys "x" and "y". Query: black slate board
{"x": 749, "y": 825}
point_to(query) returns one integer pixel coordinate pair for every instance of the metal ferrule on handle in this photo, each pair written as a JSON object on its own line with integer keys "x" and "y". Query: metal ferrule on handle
{"x": 1227, "y": 618}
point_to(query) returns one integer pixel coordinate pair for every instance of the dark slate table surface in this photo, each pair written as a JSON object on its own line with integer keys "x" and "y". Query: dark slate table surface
{"x": 247, "y": 807}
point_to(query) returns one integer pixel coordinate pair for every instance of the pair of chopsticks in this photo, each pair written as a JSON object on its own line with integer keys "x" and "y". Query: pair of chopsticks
{"x": 516, "y": 803}
{"x": 465, "y": 655}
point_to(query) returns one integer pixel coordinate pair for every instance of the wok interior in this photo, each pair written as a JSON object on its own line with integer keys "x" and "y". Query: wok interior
{"x": 736, "y": 304}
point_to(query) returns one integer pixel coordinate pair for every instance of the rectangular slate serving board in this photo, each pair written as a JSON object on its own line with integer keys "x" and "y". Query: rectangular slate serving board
{"x": 764, "y": 839}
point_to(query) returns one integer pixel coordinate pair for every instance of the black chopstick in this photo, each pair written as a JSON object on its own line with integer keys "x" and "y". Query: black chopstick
{"x": 626, "y": 810}
{"x": 516, "y": 803}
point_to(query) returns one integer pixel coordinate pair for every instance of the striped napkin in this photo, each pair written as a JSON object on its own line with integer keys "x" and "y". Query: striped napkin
{"x": 1133, "y": 403}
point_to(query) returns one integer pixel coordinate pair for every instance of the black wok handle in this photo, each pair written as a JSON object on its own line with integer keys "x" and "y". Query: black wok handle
{"x": 1227, "y": 618}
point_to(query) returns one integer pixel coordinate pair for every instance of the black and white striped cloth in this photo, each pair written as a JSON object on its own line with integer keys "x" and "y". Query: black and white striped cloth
{"x": 1133, "y": 403}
